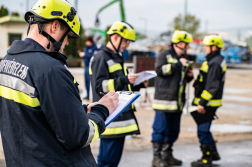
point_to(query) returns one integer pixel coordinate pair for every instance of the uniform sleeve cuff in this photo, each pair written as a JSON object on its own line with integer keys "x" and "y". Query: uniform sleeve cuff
{"x": 203, "y": 102}
{"x": 85, "y": 107}
{"x": 100, "y": 110}
{"x": 124, "y": 80}
{"x": 179, "y": 64}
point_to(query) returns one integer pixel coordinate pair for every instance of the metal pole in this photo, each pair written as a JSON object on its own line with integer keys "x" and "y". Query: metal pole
{"x": 206, "y": 27}
{"x": 27, "y": 5}
{"x": 76, "y": 5}
{"x": 122, "y": 11}
{"x": 145, "y": 25}
{"x": 185, "y": 13}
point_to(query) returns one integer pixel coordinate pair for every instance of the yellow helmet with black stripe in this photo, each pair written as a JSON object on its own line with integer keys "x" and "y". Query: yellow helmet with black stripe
{"x": 123, "y": 29}
{"x": 181, "y": 36}
{"x": 213, "y": 39}
{"x": 56, "y": 9}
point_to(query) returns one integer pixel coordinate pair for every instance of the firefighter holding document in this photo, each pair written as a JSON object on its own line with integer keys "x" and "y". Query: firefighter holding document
{"x": 42, "y": 119}
{"x": 108, "y": 72}
{"x": 208, "y": 96}
{"x": 169, "y": 98}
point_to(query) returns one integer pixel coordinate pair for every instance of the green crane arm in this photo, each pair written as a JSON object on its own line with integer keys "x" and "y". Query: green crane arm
{"x": 97, "y": 22}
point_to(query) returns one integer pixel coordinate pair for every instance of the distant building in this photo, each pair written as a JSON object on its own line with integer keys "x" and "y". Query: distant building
{"x": 11, "y": 28}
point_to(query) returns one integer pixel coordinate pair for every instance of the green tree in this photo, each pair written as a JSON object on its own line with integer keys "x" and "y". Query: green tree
{"x": 14, "y": 14}
{"x": 3, "y": 11}
{"x": 75, "y": 44}
{"x": 190, "y": 23}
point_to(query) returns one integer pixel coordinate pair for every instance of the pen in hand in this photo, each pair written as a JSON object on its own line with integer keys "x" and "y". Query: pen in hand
{"x": 103, "y": 94}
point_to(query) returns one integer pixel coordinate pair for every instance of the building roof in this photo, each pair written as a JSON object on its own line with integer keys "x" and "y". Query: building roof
{"x": 12, "y": 19}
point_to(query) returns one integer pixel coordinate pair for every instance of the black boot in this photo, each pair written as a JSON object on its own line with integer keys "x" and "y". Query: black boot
{"x": 206, "y": 159}
{"x": 167, "y": 155}
{"x": 157, "y": 160}
{"x": 215, "y": 154}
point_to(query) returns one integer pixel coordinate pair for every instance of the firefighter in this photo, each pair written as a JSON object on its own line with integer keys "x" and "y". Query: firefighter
{"x": 169, "y": 98}
{"x": 108, "y": 72}
{"x": 43, "y": 121}
{"x": 208, "y": 95}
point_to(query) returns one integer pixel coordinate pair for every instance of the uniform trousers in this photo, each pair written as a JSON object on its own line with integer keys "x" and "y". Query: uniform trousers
{"x": 166, "y": 127}
{"x": 110, "y": 152}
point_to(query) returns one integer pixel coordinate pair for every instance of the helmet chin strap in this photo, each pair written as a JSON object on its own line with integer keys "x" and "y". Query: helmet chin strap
{"x": 116, "y": 49}
{"x": 57, "y": 44}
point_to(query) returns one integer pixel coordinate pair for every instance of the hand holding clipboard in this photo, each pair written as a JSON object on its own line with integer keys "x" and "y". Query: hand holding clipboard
{"x": 126, "y": 98}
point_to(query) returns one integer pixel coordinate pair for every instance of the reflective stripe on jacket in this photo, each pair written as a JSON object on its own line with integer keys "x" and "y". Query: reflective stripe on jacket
{"x": 210, "y": 82}
{"x": 169, "y": 94}
{"x": 109, "y": 73}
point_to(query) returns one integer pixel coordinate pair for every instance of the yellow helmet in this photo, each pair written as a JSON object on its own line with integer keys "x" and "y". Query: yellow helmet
{"x": 181, "y": 36}
{"x": 56, "y": 9}
{"x": 213, "y": 39}
{"x": 123, "y": 29}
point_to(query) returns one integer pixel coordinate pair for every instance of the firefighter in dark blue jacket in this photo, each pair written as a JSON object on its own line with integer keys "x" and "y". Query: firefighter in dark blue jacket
{"x": 42, "y": 120}
{"x": 108, "y": 72}
{"x": 208, "y": 96}
{"x": 88, "y": 52}
{"x": 169, "y": 98}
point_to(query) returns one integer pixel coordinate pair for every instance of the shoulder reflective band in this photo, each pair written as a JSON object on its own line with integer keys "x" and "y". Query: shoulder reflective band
{"x": 93, "y": 132}
{"x": 204, "y": 67}
{"x": 113, "y": 66}
{"x": 18, "y": 97}
{"x": 166, "y": 69}
{"x": 165, "y": 105}
{"x": 206, "y": 95}
{"x": 170, "y": 59}
{"x": 74, "y": 81}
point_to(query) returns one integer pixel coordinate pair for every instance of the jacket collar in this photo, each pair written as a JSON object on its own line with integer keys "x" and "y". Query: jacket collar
{"x": 209, "y": 57}
{"x": 112, "y": 54}
{"x": 29, "y": 45}
{"x": 173, "y": 52}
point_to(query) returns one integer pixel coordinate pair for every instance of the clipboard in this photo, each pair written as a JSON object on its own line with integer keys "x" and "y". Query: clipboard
{"x": 202, "y": 118}
{"x": 126, "y": 98}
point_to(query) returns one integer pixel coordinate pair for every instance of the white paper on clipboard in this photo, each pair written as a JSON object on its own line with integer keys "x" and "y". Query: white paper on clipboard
{"x": 125, "y": 100}
{"x": 143, "y": 76}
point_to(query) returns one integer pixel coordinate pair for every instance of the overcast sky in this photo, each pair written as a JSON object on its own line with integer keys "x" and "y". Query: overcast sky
{"x": 225, "y": 16}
